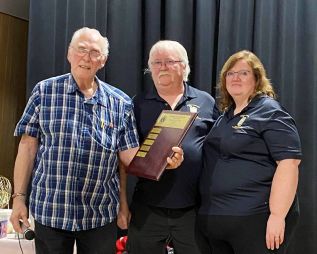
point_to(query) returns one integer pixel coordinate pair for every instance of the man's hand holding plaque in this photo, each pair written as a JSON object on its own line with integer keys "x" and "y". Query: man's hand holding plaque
{"x": 160, "y": 150}
{"x": 176, "y": 159}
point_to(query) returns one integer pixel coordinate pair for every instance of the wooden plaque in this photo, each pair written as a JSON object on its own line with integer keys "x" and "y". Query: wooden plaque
{"x": 169, "y": 130}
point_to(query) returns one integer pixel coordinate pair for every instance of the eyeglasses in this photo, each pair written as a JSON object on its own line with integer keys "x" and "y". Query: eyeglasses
{"x": 243, "y": 74}
{"x": 94, "y": 55}
{"x": 167, "y": 63}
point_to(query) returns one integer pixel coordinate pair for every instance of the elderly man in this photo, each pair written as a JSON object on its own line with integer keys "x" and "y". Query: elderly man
{"x": 165, "y": 211}
{"x": 76, "y": 130}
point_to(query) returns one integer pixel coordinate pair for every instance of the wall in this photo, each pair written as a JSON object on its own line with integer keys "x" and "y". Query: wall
{"x": 13, "y": 58}
{"x": 15, "y": 8}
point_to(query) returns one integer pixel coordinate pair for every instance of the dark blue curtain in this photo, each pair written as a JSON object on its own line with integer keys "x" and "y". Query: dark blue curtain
{"x": 282, "y": 33}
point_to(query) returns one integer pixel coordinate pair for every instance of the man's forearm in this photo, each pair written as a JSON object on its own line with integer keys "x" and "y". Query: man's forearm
{"x": 123, "y": 184}
{"x": 24, "y": 163}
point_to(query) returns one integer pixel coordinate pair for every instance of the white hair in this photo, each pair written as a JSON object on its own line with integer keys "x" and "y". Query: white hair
{"x": 176, "y": 47}
{"x": 104, "y": 41}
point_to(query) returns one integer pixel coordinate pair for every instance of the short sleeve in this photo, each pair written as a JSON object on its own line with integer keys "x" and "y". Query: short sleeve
{"x": 29, "y": 122}
{"x": 281, "y": 135}
{"x": 128, "y": 134}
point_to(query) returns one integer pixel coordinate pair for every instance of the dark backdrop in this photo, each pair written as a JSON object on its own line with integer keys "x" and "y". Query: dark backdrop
{"x": 283, "y": 33}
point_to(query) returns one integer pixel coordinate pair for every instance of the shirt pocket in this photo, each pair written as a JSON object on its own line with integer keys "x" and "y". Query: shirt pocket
{"x": 105, "y": 130}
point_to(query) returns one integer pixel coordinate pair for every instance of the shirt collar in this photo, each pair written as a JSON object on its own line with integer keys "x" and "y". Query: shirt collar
{"x": 72, "y": 85}
{"x": 189, "y": 93}
{"x": 251, "y": 104}
{"x": 99, "y": 96}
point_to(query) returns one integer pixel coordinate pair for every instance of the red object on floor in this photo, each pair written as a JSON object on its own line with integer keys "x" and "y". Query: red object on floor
{"x": 121, "y": 245}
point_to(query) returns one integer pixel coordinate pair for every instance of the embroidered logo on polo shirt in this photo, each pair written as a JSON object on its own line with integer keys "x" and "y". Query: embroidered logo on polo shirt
{"x": 241, "y": 121}
{"x": 193, "y": 108}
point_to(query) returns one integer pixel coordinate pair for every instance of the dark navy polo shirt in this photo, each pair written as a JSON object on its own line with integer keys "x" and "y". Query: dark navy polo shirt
{"x": 177, "y": 188}
{"x": 240, "y": 155}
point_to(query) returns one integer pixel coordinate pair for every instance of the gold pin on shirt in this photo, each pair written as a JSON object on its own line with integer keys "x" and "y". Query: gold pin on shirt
{"x": 102, "y": 124}
{"x": 241, "y": 121}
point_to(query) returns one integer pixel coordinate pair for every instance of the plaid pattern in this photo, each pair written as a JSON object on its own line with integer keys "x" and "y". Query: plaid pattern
{"x": 75, "y": 183}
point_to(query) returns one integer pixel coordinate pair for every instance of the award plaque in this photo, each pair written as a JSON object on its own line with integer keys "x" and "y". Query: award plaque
{"x": 169, "y": 130}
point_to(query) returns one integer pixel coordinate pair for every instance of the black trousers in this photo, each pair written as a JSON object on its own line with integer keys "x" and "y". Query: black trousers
{"x": 99, "y": 240}
{"x": 152, "y": 227}
{"x": 241, "y": 234}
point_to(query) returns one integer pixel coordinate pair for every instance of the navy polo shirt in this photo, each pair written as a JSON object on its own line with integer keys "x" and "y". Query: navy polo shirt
{"x": 240, "y": 155}
{"x": 177, "y": 188}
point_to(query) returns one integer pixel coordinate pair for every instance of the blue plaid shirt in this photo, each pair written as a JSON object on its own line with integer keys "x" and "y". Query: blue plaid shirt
{"x": 75, "y": 181}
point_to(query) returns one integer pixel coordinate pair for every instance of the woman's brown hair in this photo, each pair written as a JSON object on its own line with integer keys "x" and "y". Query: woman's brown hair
{"x": 263, "y": 84}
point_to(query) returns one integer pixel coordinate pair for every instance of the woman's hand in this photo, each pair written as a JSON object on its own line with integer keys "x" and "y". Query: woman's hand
{"x": 275, "y": 229}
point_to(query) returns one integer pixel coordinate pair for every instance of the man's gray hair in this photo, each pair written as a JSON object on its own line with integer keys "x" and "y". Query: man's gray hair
{"x": 104, "y": 41}
{"x": 173, "y": 46}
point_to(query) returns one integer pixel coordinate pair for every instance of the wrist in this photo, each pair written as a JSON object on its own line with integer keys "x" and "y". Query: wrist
{"x": 19, "y": 195}
{"x": 277, "y": 215}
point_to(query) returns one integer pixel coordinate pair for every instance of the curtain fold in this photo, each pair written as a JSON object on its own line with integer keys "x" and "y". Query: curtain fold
{"x": 282, "y": 33}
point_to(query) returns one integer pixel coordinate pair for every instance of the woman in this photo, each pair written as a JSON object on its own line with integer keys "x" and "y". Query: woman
{"x": 251, "y": 159}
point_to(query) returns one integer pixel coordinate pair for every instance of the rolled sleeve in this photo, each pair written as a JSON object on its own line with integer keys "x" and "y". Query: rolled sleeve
{"x": 128, "y": 135}
{"x": 29, "y": 122}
